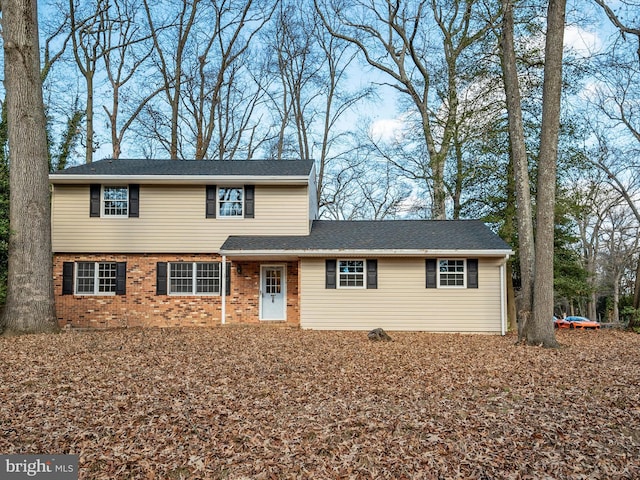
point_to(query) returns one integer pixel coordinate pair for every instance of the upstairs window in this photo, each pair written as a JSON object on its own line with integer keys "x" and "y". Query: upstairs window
{"x": 115, "y": 201}
{"x": 230, "y": 202}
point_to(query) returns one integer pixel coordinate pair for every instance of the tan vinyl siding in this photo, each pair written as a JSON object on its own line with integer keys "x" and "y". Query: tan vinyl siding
{"x": 401, "y": 301}
{"x": 172, "y": 219}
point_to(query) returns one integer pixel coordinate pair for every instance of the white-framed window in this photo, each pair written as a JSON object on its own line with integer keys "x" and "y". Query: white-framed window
{"x": 451, "y": 272}
{"x": 96, "y": 278}
{"x": 115, "y": 201}
{"x": 230, "y": 202}
{"x": 351, "y": 274}
{"x": 194, "y": 278}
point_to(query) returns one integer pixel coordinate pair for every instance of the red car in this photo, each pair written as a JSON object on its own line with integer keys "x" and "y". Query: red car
{"x": 580, "y": 323}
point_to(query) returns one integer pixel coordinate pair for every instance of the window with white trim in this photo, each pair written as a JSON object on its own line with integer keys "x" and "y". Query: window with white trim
{"x": 230, "y": 201}
{"x": 115, "y": 201}
{"x": 451, "y": 272}
{"x": 351, "y": 274}
{"x": 96, "y": 278}
{"x": 194, "y": 278}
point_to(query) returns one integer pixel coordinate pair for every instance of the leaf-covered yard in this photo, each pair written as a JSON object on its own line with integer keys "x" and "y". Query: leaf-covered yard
{"x": 251, "y": 403}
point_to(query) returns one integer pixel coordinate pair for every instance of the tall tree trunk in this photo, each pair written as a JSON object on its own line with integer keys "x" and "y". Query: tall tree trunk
{"x": 89, "y": 115}
{"x": 30, "y": 304}
{"x": 592, "y": 301}
{"x": 512, "y": 314}
{"x": 520, "y": 166}
{"x": 540, "y": 331}
{"x": 636, "y": 289}
{"x": 509, "y": 234}
{"x": 592, "y": 304}
{"x": 615, "y": 314}
{"x": 438, "y": 209}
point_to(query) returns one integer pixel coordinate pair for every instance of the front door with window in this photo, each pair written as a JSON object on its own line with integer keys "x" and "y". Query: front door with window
{"x": 273, "y": 304}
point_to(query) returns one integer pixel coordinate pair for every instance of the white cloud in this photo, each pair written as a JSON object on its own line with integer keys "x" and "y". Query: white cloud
{"x": 386, "y": 129}
{"x": 582, "y": 42}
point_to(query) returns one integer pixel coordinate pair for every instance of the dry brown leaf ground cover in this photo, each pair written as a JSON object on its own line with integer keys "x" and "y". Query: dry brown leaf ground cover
{"x": 252, "y": 403}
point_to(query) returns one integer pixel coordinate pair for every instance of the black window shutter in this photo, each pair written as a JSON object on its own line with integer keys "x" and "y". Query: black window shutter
{"x": 372, "y": 273}
{"x": 227, "y": 279}
{"x": 67, "y": 278}
{"x": 94, "y": 200}
{"x": 211, "y": 202}
{"x": 249, "y": 201}
{"x": 121, "y": 278}
{"x": 134, "y": 200}
{"x": 472, "y": 273}
{"x": 161, "y": 278}
{"x": 330, "y": 273}
{"x": 432, "y": 273}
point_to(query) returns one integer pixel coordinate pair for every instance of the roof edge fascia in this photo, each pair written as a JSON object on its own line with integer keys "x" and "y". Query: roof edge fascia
{"x": 369, "y": 252}
{"x": 60, "y": 179}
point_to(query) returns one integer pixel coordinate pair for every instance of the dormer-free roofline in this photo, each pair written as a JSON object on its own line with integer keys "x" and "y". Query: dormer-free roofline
{"x": 379, "y": 238}
{"x": 148, "y": 171}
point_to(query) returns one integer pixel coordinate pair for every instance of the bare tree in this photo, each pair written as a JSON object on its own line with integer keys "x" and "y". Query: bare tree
{"x": 520, "y": 163}
{"x": 50, "y": 57}
{"x": 537, "y": 329}
{"x": 540, "y": 331}
{"x": 338, "y": 100}
{"x": 618, "y": 74}
{"x": 57, "y": 36}
{"x": 397, "y": 40}
{"x": 295, "y": 65}
{"x": 621, "y": 239}
{"x": 206, "y": 66}
{"x": 620, "y": 23}
{"x": 310, "y": 94}
{"x": 222, "y": 49}
{"x": 124, "y": 49}
{"x": 170, "y": 39}
{"x": 86, "y": 36}
{"x": 30, "y": 303}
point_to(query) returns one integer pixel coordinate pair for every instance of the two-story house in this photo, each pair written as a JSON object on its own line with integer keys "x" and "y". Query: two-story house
{"x": 181, "y": 243}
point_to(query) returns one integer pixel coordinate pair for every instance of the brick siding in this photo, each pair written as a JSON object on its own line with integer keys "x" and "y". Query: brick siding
{"x": 141, "y": 307}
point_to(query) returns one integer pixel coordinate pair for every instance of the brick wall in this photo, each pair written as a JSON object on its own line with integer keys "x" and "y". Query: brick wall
{"x": 142, "y": 307}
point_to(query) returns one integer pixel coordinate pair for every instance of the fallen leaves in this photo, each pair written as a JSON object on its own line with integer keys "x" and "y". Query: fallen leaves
{"x": 262, "y": 403}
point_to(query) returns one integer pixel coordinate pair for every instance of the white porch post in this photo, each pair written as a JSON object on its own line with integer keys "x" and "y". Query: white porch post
{"x": 223, "y": 289}
{"x": 503, "y": 297}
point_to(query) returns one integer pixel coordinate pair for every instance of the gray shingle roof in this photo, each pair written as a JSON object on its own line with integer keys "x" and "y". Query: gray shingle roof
{"x": 361, "y": 235}
{"x": 144, "y": 167}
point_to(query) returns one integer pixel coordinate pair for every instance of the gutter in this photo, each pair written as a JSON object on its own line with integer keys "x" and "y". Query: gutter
{"x": 362, "y": 252}
{"x": 66, "y": 179}
{"x": 223, "y": 290}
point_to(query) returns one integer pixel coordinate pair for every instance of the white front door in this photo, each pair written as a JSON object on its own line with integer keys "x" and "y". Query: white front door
{"x": 273, "y": 295}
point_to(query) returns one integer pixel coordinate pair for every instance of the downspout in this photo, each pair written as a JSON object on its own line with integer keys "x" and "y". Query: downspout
{"x": 503, "y": 306}
{"x": 223, "y": 289}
